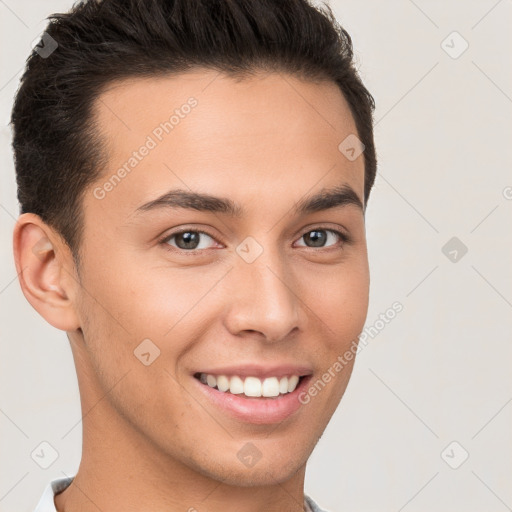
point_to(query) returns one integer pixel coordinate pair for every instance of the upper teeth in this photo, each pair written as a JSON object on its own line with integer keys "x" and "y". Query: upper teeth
{"x": 251, "y": 386}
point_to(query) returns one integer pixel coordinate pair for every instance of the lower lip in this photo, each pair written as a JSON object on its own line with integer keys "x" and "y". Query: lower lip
{"x": 253, "y": 409}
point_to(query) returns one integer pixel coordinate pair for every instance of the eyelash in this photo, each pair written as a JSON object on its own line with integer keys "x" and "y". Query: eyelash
{"x": 345, "y": 239}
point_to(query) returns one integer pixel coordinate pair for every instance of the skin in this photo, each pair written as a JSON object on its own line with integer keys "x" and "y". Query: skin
{"x": 151, "y": 441}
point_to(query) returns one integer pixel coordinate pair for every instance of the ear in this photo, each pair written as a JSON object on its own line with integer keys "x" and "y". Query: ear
{"x": 46, "y": 271}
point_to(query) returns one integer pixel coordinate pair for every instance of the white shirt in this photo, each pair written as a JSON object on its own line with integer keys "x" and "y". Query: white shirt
{"x": 47, "y": 504}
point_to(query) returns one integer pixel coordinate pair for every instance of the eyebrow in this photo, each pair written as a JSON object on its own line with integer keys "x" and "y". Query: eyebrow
{"x": 325, "y": 199}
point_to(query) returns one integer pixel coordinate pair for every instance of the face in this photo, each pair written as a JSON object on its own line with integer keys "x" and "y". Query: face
{"x": 249, "y": 284}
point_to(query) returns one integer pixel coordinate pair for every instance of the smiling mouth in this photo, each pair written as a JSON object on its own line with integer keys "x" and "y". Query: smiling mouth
{"x": 250, "y": 386}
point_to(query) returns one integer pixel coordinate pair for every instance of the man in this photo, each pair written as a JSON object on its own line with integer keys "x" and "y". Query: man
{"x": 193, "y": 178}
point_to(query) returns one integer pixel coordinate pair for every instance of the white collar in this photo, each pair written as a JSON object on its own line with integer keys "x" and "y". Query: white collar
{"x": 47, "y": 503}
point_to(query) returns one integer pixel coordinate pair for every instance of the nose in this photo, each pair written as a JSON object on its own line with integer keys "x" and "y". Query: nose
{"x": 263, "y": 298}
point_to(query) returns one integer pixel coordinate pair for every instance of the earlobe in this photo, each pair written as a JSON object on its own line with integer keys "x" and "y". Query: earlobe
{"x": 45, "y": 268}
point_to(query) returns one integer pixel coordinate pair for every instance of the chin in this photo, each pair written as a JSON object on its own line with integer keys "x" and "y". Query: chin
{"x": 266, "y": 471}
{"x": 265, "y": 476}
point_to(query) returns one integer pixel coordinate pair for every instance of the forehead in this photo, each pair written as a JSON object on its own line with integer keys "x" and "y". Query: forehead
{"x": 204, "y": 130}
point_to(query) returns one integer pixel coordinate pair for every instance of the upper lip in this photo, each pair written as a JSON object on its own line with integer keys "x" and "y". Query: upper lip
{"x": 256, "y": 370}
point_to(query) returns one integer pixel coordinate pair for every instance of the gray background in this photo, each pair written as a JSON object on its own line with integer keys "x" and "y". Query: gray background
{"x": 434, "y": 385}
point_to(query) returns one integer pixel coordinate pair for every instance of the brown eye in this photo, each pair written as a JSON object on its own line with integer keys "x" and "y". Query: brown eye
{"x": 188, "y": 240}
{"x": 319, "y": 237}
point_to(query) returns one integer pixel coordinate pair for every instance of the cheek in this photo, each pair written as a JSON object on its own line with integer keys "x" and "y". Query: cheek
{"x": 342, "y": 305}
{"x": 129, "y": 304}
{"x": 133, "y": 336}
{"x": 133, "y": 299}
{"x": 339, "y": 305}
{"x": 349, "y": 305}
